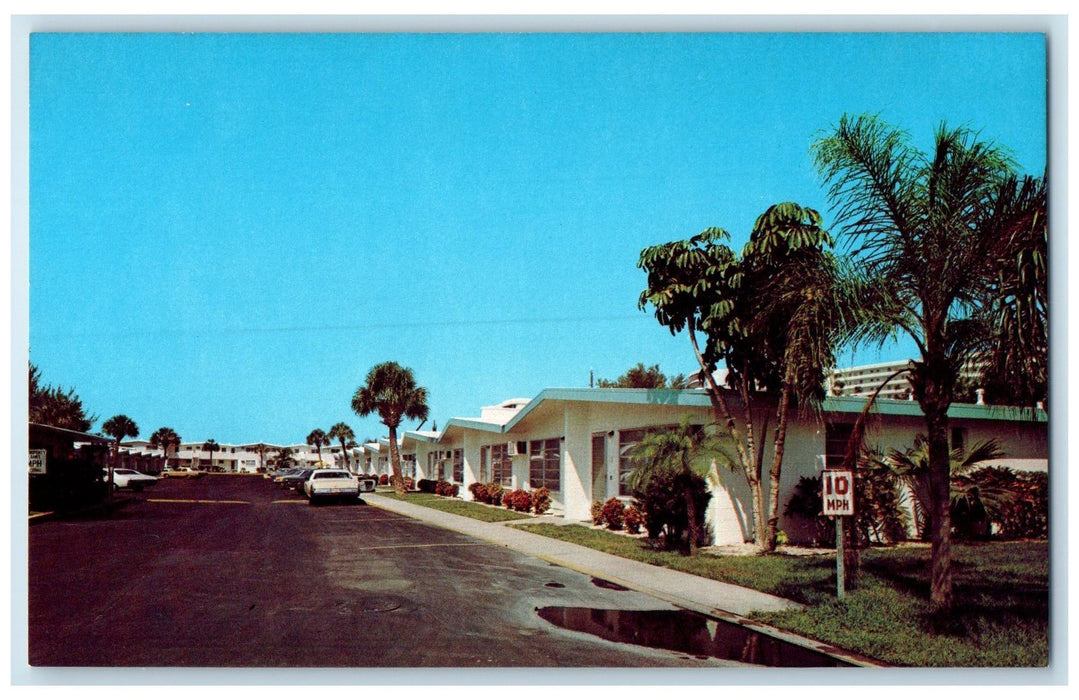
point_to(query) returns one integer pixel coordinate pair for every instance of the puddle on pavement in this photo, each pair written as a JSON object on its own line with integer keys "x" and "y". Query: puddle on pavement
{"x": 689, "y": 633}
{"x": 609, "y": 585}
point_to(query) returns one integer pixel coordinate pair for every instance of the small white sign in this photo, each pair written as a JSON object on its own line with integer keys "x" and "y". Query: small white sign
{"x": 37, "y": 461}
{"x": 837, "y": 492}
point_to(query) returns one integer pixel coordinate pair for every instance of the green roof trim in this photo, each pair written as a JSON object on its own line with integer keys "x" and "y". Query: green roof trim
{"x": 699, "y": 398}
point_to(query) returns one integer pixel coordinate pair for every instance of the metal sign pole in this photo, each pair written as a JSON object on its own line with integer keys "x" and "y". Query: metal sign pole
{"x": 840, "y": 573}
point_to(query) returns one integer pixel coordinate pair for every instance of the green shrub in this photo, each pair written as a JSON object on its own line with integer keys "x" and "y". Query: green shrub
{"x": 427, "y": 486}
{"x": 664, "y": 504}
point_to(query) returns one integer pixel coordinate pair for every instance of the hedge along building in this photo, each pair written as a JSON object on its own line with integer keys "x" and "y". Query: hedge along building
{"x": 577, "y": 443}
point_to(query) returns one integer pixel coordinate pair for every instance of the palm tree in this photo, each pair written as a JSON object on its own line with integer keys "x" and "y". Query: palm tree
{"x": 927, "y": 229}
{"x": 165, "y": 438}
{"x": 341, "y": 431}
{"x": 317, "y": 437}
{"x": 283, "y": 458}
{"x": 211, "y": 446}
{"x": 911, "y": 467}
{"x": 118, "y": 427}
{"x": 686, "y": 450}
{"x": 391, "y": 390}
{"x": 260, "y": 448}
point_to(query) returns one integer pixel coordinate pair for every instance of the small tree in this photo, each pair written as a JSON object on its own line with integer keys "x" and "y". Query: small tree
{"x": 686, "y": 451}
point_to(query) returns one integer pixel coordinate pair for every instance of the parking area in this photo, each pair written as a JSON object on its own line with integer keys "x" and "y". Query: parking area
{"x": 231, "y": 571}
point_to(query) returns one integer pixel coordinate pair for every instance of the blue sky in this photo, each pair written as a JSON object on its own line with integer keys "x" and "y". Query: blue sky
{"x": 227, "y": 231}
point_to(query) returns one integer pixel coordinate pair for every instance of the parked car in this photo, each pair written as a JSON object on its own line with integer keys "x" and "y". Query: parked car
{"x": 280, "y": 474}
{"x": 296, "y": 481}
{"x": 181, "y": 472}
{"x": 130, "y": 479}
{"x": 331, "y": 483}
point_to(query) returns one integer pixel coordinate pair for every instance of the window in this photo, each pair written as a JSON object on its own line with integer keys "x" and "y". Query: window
{"x": 836, "y": 438}
{"x": 501, "y": 464}
{"x": 459, "y": 466}
{"x": 545, "y": 464}
{"x": 627, "y": 440}
{"x": 959, "y": 439}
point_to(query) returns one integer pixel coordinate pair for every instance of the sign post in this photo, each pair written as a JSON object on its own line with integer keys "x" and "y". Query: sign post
{"x": 837, "y": 495}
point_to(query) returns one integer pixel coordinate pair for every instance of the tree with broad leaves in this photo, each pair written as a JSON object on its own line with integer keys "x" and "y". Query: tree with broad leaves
{"x": 772, "y": 315}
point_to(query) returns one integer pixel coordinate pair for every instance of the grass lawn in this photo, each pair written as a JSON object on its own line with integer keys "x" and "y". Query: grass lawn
{"x": 477, "y": 511}
{"x": 1001, "y": 593}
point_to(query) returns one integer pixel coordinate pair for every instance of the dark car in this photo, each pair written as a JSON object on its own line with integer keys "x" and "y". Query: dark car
{"x": 296, "y": 481}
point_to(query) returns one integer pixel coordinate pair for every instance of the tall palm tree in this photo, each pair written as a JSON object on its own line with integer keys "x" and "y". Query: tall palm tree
{"x": 165, "y": 438}
{"x": 211, "y": 446}
{"x": 260, "y": 448}
{"x": 118, "y": 427}
{"x": 926, "y": 227}
{"x": 342, "y": 432}
{"x": 317, "y": 438}
{"x": 391, "y": 391}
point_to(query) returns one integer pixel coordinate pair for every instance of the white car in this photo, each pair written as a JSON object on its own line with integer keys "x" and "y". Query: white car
{"x": 130, "y": 479}
{"x": 331, "y": 483}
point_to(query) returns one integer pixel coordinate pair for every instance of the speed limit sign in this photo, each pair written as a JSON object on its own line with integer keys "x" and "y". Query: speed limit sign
{"x": 837, "y": 492}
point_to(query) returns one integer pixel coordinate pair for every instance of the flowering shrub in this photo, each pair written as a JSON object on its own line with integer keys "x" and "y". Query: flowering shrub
{"x": 613, "y": 513}
{"x": 383, "y": 480}
{"x": 633, "y": 518}
{"x": 478, "y": 491}
{"x": 518, "y": 500}
{"x": 541, "y": 500}
{"x": 597, "y": 513}
{"x": 427, "y": 486}
{"x": 494, "y": 493}
{"x": 409, "y": 483}
{"x": 445, "y": 488}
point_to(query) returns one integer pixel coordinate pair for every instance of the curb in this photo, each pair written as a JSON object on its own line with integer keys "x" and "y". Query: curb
{"x": 50, "y": 515}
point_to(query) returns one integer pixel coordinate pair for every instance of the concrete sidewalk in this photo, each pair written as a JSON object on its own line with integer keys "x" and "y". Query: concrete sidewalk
{"x": 684, "y": 590}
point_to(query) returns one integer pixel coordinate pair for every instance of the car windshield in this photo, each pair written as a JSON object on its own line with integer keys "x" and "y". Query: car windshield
{"x": 332, "y": 475}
